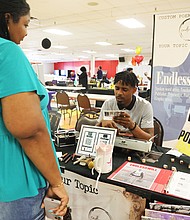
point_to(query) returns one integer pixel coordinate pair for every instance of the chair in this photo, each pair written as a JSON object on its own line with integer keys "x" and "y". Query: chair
{"x": 159, "y": 131}
{"x": 63, "y": 104}
{"x": 89, "y": 118}
{"x": 55, "y": 118}
{"x": 84, "y": 104}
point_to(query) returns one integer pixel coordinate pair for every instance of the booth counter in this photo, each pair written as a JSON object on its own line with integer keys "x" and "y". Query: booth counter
{"x": 115, "y": 198}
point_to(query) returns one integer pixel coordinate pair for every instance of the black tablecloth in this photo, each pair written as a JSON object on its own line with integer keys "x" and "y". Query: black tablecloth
{"x": 119, "y": 157}
{"x": 101, "y": 91}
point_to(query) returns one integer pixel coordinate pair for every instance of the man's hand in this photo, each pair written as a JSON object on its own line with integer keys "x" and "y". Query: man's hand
{"x": 107, "y": 124}
{"x": 124, "y": 119}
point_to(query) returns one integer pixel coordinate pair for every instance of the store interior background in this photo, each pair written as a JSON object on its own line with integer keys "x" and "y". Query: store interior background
{"x": 89, "y": 22}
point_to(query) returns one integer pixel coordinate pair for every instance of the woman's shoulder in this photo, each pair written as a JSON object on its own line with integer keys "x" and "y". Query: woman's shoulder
{"x": 9, "y": 46}
{"x": 4, "y": 42}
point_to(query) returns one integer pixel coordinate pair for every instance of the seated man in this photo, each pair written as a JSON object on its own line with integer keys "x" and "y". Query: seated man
{"x": 136, "y": 119}
{"x": 104, "y": 80}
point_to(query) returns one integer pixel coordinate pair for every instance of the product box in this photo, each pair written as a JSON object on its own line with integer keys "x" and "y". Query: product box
{"x": 65, "y": 138}
{"x": 165, "y": 215}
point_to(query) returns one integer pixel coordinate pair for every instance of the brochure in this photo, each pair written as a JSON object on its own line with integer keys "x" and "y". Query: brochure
{"x": 179, "y": 185}
{"x": 143, "y": 176}
{"x": 155, "y": 179}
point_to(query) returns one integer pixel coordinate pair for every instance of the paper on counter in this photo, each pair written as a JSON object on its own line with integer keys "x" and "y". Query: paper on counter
{"x": 174, "y": 152}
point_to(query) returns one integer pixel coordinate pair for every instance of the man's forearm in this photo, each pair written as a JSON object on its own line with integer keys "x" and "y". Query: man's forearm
{"x": 142, "y": 134}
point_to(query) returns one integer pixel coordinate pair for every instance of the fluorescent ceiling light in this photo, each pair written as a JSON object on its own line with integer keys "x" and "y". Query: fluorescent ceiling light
{"x": 131, "y": 23}
{"x": 128, "y": 50}
{"x": 57, "y": 31}
{"x": 111, "y": 55}
{"x": 83, "y": 57}
{"x": 92, "y": 3}
{"x": 58, "y": 54}
{"x": 89, "y": 51}
{"x": 59, "y": 47}
{"x": 103, "y": 43}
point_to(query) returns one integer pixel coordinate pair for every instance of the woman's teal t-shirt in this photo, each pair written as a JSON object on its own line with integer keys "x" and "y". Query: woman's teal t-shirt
{"x": 19, "y": 178}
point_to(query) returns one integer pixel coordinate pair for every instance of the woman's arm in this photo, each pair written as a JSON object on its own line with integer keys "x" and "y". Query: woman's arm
{"x": 24, "y": 120}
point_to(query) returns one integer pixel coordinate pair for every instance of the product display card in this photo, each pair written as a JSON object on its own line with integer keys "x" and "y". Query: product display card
{"x": 109, "y": 114}
{"x": 91, "y": 136}
{"x": 143, "y": 176}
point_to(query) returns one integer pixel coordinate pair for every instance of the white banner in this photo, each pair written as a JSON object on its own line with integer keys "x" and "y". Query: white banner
{"x": 171, "y": 73}
{"x": 108, "y": 202}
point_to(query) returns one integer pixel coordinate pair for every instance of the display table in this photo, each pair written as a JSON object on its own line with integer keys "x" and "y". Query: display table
{"x": 68, "y": 88}
{"x": 102, "y": 91}
{"x": 142, "y": 87}
{"x": 107, "y": 202}
{"x": 143, "y": 93}
{"x": 95, "y": 97}
{"x": 112, "y": 200}
{"x": 119, "y": 157}
{"x": 92, "y": 85}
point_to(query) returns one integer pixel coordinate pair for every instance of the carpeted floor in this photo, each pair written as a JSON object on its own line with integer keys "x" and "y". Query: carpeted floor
{"x": 64, "y": 123}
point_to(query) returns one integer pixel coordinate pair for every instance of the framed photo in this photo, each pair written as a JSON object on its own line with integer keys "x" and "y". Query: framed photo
{"x": 90, "y": 136}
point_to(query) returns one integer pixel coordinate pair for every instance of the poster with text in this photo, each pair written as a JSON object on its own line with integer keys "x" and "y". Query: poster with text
{"x": 170, "y": 90}
{"x": 106, "y": 202}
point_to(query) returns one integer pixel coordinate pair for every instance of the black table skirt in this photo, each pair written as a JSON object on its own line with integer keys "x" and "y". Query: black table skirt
{"x": 119, "y": 157}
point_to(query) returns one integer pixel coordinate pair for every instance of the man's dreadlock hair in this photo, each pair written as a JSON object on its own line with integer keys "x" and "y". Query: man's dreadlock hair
{"x": 127, "y": 78}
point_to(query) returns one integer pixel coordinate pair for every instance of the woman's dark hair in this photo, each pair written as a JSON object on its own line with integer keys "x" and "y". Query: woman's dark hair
{"x": 83, "y": 69}
{"x": 127, "y": 78}
{"x": 16, "y": 8}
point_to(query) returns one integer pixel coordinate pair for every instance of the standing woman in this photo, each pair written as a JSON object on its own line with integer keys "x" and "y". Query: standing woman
{"x": 83, "y": 77}
{"x": 99, "y": 73}
{"x": 28, "y": 165}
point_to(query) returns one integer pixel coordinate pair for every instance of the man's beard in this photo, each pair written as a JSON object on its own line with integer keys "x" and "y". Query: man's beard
{"x": 121, "y": 105}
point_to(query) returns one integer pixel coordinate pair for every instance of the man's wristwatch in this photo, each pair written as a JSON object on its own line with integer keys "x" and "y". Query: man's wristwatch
{"x": 133, "y": 128}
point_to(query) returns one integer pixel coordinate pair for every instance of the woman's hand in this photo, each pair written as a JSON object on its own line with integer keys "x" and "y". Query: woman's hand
{"x": 61, "y": 194}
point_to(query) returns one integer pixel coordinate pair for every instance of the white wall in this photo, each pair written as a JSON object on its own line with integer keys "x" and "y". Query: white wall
{"x": 138, "y": 70}
{"x": 39, "y": 70}
{"x": 48, "y": 68}
{"x": 44, "y": 69}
